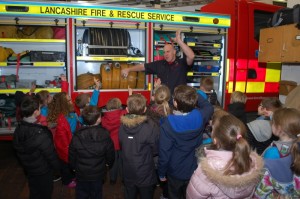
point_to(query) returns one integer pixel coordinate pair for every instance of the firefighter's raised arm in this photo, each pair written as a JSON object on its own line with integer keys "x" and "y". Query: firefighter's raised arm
{"x": 190, "y": 55}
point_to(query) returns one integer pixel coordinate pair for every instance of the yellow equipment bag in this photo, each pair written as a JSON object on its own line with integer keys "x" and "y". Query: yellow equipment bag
{"x": 5, "y": 53}
{"x": 8, "y": 32}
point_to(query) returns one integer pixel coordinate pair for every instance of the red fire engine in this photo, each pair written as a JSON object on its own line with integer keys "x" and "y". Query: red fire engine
{"x": 244, "y": 73}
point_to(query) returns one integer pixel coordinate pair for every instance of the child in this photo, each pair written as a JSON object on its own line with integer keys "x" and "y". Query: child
{"x": 84, "y": 99}
{"x": 237, "y": 105}
{"x": 229, "y": 168}
{"x": 180, "y": 135}
{"x": 139, "y": 143}
{"x": 295, "y": 167}
{"x": 35, "y": 149}
{"x": 44, "y": 98}
{"x": 91, "y": 149}
{"x": 268, "y": 106}
{"x": 207, "y": 90}
{"x": 111, "y": 121}
{"x": 160, "y": 109}
{"x": 259, "y": 131}
{"x": 279, "y": 177}
{"x": 63, "y": 122}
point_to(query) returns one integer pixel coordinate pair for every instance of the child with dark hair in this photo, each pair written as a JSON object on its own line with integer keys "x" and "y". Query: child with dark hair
{"x": 281, "y": 173}
{"x": 91, "y": 149}
{"x": 228, "y": 169}
{"x": 180, "y": 135}
{"x": 111, "y": 121}
{"x": 259, "y": 131}
{"x": 237, "y": 106}
{"x": 85, "y": 99}
{"x": 44, "y": 98}
{"x": 207, "y": 90}
{"x": 139, "y": 143}
{"x": 34, "y": 147}
{"x": 268, "y": 106}
{"x": 295, "y": 167}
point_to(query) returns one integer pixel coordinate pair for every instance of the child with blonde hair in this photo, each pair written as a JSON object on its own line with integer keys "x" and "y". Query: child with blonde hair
{"x": 111, "y": 121}
{"x": 237, "y": 106}
{"x": 229, "y": 169}
{"x": 160, "y": 107}
{"x": 139, "y": 143}
{"x": 281, "y": 170}
{"x": 158, "y": 111}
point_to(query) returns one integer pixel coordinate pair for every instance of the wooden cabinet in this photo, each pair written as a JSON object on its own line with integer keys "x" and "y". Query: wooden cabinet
{"x": 280, "y": 44}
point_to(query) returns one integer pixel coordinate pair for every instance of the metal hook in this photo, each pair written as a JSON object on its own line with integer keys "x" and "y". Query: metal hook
{"x": 83, "y": 22}
{"x": 191, "y": 28}
{"x": 56, "y": 21}
{"x": 161, "y": 26}
{"x": 137, "y": 25}
{"x": 17, "y": 20}
{"x": 111, "y": 24}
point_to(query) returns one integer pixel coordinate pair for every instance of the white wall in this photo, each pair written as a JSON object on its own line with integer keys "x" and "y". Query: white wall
{"x": 291, "y": 3}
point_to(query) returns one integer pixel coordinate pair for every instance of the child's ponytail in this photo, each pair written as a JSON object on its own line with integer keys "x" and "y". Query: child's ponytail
{"x": 295, "y": 151}
{"x": 230, "y": 133}
{"x": 241, "y": 161}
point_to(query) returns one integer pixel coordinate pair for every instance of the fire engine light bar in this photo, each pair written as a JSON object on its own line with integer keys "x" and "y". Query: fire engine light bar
{"x": 16, "y": 9}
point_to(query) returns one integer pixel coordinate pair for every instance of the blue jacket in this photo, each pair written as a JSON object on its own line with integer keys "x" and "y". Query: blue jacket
{"x": 180, "y": 135}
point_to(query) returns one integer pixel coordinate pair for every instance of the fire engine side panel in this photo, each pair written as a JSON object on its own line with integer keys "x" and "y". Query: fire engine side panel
{"x": 244, "y": 73}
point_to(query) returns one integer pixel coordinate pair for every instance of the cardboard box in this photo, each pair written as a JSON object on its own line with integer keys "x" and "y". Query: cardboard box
{"x": 291, "y": 44}
{"x": 279, "y": 44}
{"x": 270, "y": 44}
{"x": 286, "y": 87}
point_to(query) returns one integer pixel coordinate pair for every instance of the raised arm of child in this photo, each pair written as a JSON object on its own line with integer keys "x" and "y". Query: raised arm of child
{"x": 96, "y": 92}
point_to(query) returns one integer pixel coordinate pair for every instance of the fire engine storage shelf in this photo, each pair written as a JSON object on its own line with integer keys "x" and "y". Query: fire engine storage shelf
{"x": 33, "y": 64}
{"x": 103, "y": 49}
{"x": 42, "y": 60}
{"x": 102, "y": 58}
{"x": 13, "y": 91}
{"x": 207, "y": 44}
{"x": 209, "y": 50}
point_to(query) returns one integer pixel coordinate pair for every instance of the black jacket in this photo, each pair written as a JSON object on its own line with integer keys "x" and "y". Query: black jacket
{"x": 34, "y": 147}
{"x": 90, "y": 150}
{"x": 238, "y": 109}
{"x": 139, "y": 143}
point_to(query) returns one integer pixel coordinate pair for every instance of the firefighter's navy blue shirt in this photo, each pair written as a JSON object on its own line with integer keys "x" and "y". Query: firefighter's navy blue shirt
{"x": 170, "y": 74}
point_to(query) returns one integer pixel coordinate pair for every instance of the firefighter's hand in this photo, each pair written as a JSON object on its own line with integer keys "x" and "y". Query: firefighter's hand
{"x": 125, "y": 72}
{"x": 177, "y": 38}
